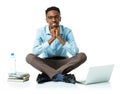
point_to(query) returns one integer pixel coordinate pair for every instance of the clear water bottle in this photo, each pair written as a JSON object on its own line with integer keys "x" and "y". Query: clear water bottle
{"x": 12, "y": 64}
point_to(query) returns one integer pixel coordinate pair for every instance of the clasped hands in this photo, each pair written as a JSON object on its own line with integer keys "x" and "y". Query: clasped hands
{"x": 55, "y": 32}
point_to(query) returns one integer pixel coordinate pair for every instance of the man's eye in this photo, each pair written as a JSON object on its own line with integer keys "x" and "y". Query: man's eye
{"x": 51, "y": 17}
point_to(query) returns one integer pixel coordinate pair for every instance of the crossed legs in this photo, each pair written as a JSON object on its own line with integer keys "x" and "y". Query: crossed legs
{"x": 51, "y": 67}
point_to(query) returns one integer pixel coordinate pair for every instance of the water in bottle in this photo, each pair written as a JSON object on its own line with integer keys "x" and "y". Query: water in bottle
{"x": 12, "y": 64}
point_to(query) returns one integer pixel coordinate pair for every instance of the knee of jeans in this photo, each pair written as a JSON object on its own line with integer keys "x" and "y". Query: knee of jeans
{"x": 83, "y": 56}
{"x": 30, "y": 57}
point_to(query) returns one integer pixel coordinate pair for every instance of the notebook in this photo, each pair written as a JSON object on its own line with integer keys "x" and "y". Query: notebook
{"x": 98, "y": 74}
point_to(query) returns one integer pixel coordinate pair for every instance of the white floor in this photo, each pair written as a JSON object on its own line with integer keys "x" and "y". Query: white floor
{"x": 53, "y": 88}
{"x": 58, "y": 87}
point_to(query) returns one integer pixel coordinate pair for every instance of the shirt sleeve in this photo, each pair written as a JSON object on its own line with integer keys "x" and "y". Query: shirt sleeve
{"x": 39, "y": 44}
{"x": 70, "y": 44}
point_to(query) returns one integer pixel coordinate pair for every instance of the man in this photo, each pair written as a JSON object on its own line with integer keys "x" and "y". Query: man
{"x": 51, "y": 46}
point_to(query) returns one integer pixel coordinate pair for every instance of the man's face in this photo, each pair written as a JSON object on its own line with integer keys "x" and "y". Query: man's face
{"x": 53, "y": 18}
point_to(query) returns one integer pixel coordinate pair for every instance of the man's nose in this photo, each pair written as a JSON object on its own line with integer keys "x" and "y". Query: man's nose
{"x": 53, "y": 19}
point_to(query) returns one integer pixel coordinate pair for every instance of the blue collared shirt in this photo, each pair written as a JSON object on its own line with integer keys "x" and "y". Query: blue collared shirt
{"x": 42, "y": 47}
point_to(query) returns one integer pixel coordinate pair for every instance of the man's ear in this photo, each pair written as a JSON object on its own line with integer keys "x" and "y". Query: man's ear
{"x": 46, "y": 20}
{"x": 60, "y": 19}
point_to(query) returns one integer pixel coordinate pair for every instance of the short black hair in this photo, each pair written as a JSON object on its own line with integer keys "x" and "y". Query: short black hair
{"x": 52, "y": 8}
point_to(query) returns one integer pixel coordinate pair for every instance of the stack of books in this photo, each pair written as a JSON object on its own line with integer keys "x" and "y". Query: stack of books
{"x": 18, "y": 77}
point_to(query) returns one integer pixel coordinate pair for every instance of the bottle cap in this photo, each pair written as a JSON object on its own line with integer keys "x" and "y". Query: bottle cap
{"x": 12, "y": 54}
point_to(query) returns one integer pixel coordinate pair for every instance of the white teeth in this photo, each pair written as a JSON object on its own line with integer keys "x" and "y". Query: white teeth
{"x": 53, "y": 24}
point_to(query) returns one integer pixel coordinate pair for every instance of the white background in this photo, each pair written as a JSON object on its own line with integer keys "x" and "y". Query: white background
{"x": 95, "y": 25}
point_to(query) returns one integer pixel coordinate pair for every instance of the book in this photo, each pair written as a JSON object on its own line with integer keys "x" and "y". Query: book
{"x": 24, "y": 77}
{"x": 18, "y": 77}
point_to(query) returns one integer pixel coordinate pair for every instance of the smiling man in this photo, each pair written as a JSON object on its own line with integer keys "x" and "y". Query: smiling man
{"x": 50, "y": 49}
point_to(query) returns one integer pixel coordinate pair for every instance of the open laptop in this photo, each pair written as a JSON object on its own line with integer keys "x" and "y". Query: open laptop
{"x": 98, "y": 74}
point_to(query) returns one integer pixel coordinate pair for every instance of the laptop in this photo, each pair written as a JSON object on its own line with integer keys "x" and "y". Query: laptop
{"x": 98, "y": 74}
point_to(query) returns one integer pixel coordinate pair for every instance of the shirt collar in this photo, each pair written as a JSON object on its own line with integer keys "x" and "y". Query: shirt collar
{"x": 48, "y": 31}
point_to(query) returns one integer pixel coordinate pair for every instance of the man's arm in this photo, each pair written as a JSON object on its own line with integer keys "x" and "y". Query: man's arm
{"x": 39, "y": 45}
{"x": 52, "y": 31}
{"x": 51, "y": 40}
{"x": 56, "y": 34}
{"x": 59, "y": 37}
{"x": 70, "y": 44}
